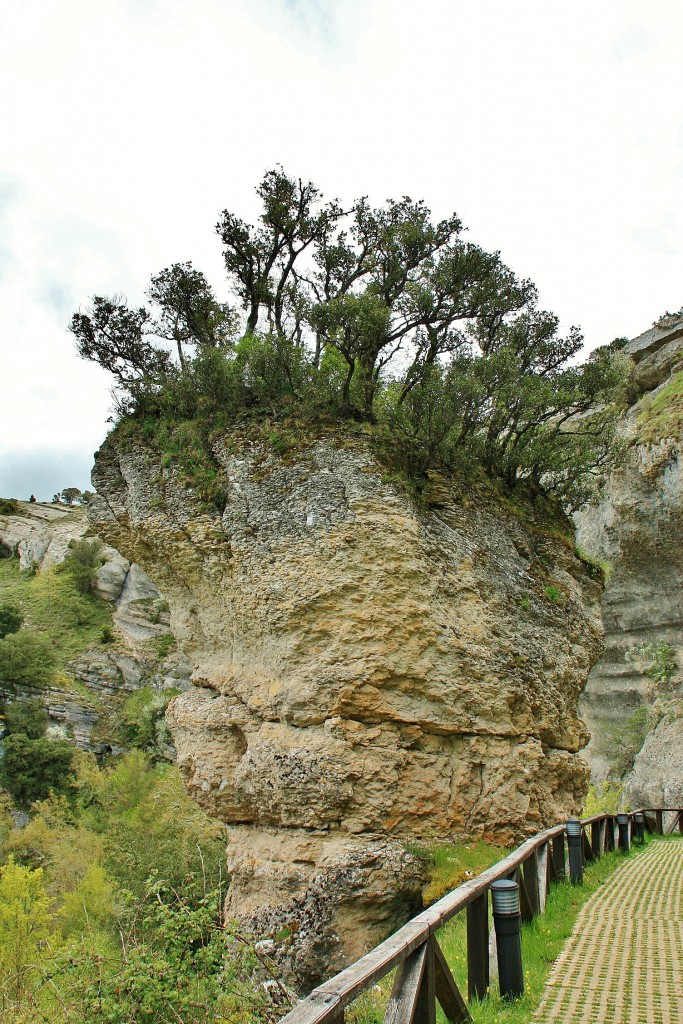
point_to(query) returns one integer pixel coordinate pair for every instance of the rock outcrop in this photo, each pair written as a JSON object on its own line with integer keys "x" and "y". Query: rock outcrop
{"x": 369, "y": 672}
{"x": 88, "y": 712}
{"x": 636, "y": 528}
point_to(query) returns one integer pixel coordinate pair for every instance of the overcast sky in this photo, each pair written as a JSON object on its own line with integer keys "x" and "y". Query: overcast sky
{"x": 554, "y": 130}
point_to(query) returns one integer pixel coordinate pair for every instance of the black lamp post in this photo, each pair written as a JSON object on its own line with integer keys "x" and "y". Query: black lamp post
{"x": 623, "y": 823}
{"x": 575, "y": 843}
{"x": 507, "y": 921}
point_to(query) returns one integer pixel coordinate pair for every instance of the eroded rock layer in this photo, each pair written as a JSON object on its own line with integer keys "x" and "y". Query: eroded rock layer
{"x": 368, "y": 671}
{"x": 636, "y": 529}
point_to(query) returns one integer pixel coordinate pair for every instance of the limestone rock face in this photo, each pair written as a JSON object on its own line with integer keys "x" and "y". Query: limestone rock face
{"x": 657, "y": 776}
{"x": 368, "y": 672}
{"x": 637, "y": 527}
{"x": 40, "y": 536}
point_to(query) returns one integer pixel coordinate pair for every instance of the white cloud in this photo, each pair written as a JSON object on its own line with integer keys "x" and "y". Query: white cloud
{"x": 633, "y": 41}
{"x": 134, "y": 122}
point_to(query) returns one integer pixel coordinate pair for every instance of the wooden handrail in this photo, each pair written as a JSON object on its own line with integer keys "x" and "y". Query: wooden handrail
{"x": 326, "y": 1003}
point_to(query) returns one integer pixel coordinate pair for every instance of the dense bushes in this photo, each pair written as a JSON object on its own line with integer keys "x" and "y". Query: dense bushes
{"x": 25, "y": 658}
{"x": 31, "y": 769}
{"x": 373, "y": 314}
{"x": 111, "y": 908}
{"x": 11, "y": 618}
{"x": 31, "y": 765}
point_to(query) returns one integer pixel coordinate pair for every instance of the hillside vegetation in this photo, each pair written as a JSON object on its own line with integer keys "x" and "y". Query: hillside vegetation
{"x": 662, "y": 414}
{"x": 377, "y": 315}
{"x": 110, "y": 907}
{"x": 55, "y": 609}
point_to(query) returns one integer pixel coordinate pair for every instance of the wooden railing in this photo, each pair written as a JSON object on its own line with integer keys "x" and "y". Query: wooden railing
{"x": 423, "y": 976}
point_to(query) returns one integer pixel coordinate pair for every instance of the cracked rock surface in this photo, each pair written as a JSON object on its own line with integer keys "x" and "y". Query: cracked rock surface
{"x": 636, "y": 528}
{"x": 368, "y": 673}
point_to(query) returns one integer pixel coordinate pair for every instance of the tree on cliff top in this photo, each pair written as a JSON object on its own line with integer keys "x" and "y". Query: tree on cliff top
{"x": 377, "y": 313}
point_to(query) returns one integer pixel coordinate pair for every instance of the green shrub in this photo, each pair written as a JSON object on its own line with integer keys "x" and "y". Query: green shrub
{"x": 553, "y": 594}
{"x": 142, "y": 721}
{"x": 27, "y": 717}
{"x": 166, "y": 644}
{"x": 660, "y": 664}
{"x": 600, "y": 569}
{"x": 106, "y": 635}
{"x": 26, "y": 658}
{"x": 82, "y": 563}
{"x": 9, "y": 506}
{"x": 605, "y": 798}
{"x": 31, "y": 769}
{"x": 11, "y": 618}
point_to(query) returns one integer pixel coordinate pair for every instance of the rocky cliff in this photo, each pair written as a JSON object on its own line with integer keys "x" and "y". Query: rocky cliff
{"x": 636, "y": 528}
{"x": 370, "y": 671}
{"x": 86, "y": 704}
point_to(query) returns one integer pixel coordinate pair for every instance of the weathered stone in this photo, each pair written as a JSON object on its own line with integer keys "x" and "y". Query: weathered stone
{"x": 111, "y": 577}
{"x": 657, "y": 776}
{"x": 366, "y": 670}
{"x": 327, "y": 900}
{"x": 89, "y": 714}
{"x": 40, "y": 534}
{"x": 636, "y": 528}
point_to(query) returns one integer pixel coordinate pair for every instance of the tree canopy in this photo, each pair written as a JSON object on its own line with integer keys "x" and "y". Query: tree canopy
{"x": 375, "y": 313}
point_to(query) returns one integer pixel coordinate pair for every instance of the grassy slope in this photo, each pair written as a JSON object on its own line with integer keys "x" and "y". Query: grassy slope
{"x": 53, "y": 608}
{"x": 662, "y": 415}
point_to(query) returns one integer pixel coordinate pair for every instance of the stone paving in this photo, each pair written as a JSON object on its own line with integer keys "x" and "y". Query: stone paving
{"x": 623, "y": 963}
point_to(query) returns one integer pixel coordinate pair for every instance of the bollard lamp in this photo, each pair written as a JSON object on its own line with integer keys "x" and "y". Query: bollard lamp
{"x": 575, "y": 846}
{"x": 507, "y": 922}
{"x": 624, "y": 840}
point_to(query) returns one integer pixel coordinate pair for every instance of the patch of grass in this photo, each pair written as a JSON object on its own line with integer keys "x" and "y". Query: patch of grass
{"x": 553, "y": 594}
{"x": 542, "y": 942}
{"x": 605, "y": 798}
{"x": 662, "y": 416}
{"x": 451, "y": 864}
{"x": 600, "y": 569}
{"x": 53, "y": 609}
{"x": 167, "y": 643}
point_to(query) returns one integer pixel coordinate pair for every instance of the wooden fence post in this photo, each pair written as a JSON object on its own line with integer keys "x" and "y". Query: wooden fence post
{"x": 425, "y": 1006}
{"x": 596, "y": 839}
{"x": 559, "y": 856}
{"x": 478, "y": 976}
{"x": 530, "y": 878}
{"x": 542, "y": 873}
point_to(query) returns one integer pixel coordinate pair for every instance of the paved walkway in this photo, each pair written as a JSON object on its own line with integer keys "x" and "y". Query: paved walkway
{"x": 623, "y": 963}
